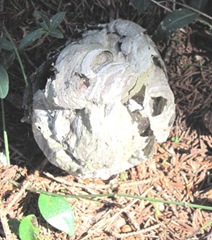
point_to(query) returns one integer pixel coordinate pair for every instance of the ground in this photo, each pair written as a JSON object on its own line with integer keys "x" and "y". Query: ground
{"x": 181, "y": 169}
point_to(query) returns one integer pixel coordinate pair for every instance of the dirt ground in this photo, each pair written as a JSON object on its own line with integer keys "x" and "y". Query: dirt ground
{"x": 180, "y": 171}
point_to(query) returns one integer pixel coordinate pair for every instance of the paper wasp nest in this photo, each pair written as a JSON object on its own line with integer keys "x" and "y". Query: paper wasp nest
{"x": 107, "y": 104}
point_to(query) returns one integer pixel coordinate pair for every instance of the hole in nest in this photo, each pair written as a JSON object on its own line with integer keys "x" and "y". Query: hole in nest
{"x": 157, "y": 104}
{"x": 100, "y": 60}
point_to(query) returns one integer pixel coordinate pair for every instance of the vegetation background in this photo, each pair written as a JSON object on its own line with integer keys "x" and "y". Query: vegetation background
{"x": 181, "y": 170}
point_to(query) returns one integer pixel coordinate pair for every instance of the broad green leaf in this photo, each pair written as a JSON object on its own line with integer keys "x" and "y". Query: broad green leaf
{"x": 31, "y": 37}
{"x": 174, "y": 20}
{"x": 56, "y": 20}
{"x": 28, "y": 229}
{"x": 57, "y": 212}
{"x": 198, "y": 4}
{"x": 140, "y": 5}
{"x": 5, "y": 44}
{"x": 56, "y": 33}
{"x": 4, "y": 82}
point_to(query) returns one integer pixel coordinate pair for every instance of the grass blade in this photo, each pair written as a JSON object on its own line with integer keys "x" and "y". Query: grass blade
{"x": 19, "y": 59}
{"x": 4, "y": 82}
{"x": 6, "y": 142}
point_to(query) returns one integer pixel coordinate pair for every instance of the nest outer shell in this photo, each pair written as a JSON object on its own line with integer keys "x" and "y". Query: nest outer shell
{"x": 107, "y": 104}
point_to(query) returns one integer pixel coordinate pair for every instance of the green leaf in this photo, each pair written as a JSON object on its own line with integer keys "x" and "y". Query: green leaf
{"x": 57, "y": 212}
{"x": 38, "y": 14}
{"x": 31, "y": 37}
{"x": 4, "y": 82}
{"x": 46, "y": 20}
{"x": 28, "y": 229}
{"x": 56, "y": 33}
{"x": 5, "y": 44}
{"x": 175, "y": 139}
{"x": 198, "y": 4}
{"x": 140, "y": 5}
{"x": 174, "y": 20}
{"x": 14, "y": 225}
{"x": 44, "y": 26}
{"x": 9, "y": 58}
{"x": 56, "y": 20}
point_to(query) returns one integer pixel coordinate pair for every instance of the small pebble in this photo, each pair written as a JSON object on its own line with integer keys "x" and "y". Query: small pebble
{"x": 126, "y": 228}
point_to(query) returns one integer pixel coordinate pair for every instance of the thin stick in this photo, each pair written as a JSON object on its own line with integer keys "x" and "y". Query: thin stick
{"x": 160, "y": 5}
{"x": 4, "y": 223}
{"x": 142, "y": 231}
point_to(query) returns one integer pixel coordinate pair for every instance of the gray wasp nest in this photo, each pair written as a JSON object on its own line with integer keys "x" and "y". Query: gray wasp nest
{"x": 107, "y": 104}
